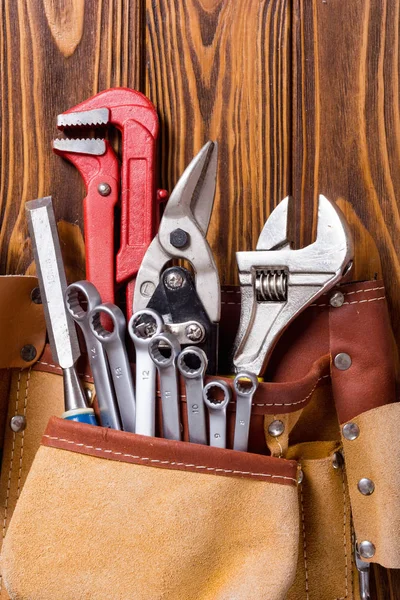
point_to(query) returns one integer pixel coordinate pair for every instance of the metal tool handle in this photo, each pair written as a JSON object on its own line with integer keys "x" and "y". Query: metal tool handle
{"x": 114, "y": 345}
{"x": 245, "y": 385}
{"x": 192, "y": 364}
{"x": 109, "y": 414}
{"x": 163, "y": 350}
{"x": 216, "y": 395}
{"x": 142, "y": 327}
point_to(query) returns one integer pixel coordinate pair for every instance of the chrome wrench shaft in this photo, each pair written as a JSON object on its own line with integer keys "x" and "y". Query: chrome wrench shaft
{"x": 192, "y": 364}
{"x": 216, "y": 395}
{"x": 245, "y": 385}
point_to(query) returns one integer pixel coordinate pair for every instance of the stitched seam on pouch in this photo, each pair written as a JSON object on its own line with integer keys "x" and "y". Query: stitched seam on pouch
{"x": 21, "y": 456}
{"x": 346, "y": 558}
{"x": 169, "y": 462}
{"x": 41, "y": 362}
{"x": 304, "y": 540}
{"x": 355, "y": 301}
{"x": 315, "y": 304}
{"x": 14, "y": 437}
{"x": 298, "y": 401}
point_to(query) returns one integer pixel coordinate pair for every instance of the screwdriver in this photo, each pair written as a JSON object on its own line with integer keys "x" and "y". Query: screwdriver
{"x": 60, "y": 325}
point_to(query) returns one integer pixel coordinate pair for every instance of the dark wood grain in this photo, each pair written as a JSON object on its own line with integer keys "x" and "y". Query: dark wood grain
{"x": 54, "y": 55}
{"x": 346, "y": 140}
{"x": 221, "y": 70}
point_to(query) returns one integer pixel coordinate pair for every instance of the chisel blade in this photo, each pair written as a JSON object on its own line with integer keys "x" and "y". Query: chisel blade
{"x": 52, "y": 281}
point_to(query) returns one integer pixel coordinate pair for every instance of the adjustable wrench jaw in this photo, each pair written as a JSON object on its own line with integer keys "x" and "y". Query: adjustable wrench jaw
{"x": 278, "y": 284}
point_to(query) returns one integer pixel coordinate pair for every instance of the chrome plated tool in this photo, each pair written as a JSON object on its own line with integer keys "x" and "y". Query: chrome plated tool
{"x": 217, "y": 395}
{"x": 190, "y": 308}
{"x": 114, "y": 345}
{"x": 363, "y": 569}
{"x": 81, "y": 298}
{"x": 245, "y": 385}
{"x": 277, "y": 282}
{"x": 142, "y": 327}
{"x": 192, "y": 364}
{"x": 60, "y": 326}
{"x": 164, "y": 349}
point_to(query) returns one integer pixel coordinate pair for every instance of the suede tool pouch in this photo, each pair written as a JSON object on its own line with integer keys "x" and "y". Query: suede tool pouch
{"x": 109, "y": 514}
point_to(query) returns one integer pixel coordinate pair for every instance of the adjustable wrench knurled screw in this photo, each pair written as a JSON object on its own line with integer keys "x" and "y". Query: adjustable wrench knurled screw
{"x": 245, "y": 385}
{"x": 142, "y": 327}
{"x": 114, "y": 345}
{"x": 76, "y": 294}
{"x": 192, "y": 364}
{"x": 164, "y": 349}
{"x": 216, "y": 395}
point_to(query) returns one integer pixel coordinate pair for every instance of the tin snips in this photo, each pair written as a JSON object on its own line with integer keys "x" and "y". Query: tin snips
{"x": 130, "y": 184}
{"x": 189, "y": 303}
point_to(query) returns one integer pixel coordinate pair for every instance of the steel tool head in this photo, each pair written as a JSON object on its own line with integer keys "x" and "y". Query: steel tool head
{"x": 164, "y": 349}
{"x": 144, "y": 325}
{"x": 277, "y": 282}
{"x": 217, "y": 395}
{"x": 192, "y": 362}
{"x": 245, "y": 383}
{"x": 182, "y": 234}
{"x": 117, "y": 318}
{"x": 81, "y": 298}
{"x": 52, "y": 281}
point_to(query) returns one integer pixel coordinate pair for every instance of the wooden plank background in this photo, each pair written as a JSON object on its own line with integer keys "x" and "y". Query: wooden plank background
{"x": 302, "y": 95}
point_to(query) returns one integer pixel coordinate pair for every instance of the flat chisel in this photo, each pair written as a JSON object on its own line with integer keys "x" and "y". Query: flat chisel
{"x": 60, "y": 325}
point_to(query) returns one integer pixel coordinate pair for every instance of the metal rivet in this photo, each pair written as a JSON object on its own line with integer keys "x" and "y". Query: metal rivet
{"x": 173, "y": 280}
{"x": 337, "y": 460}
{"x": 28, "y": 353}
{"x": 18, "y": 423}
{"x": 194, "y": 332}
{"x": 366, "y": 486}
{"x": 342, "y": 361}
{"x": 179, "y": 238}
{"x": 89, "y": 395}
{"x": 300, "y": 476}
{"x": 366, "y": 549}
{"x": 276, "y": 428}
{"x": 351, "y": 431}
{"x": 336, "y": 300}
{"x": 104, "y": 189}
{"x": 35, "y": 296}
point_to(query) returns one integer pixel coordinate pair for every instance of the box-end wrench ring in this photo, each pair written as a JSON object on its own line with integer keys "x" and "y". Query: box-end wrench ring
{"x": 192, "y": 364}
{"x": 164, "y": 349}
{"x": 245, "y": 385}
{"x": 77, "y": 295}
{"x": 114, "y": 345}
{"x": 216, "y": 395}
{"x": 142, "y": 327}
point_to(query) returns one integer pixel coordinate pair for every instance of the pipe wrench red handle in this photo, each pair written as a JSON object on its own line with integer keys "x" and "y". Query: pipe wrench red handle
{"x": 100, "y": 174}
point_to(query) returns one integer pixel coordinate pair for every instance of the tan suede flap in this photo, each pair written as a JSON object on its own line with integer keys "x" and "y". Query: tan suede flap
{"x": 375, "y": 454}
{"x": 22, "y": 324}
{"x": 91, "y": 528}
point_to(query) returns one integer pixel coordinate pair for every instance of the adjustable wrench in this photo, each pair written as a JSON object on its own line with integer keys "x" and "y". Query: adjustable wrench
{"x": 136, "y": 118}
{"x": 75, "y": 293}
{"x": 217, "y": 395}
{"x": 164, "y": 349}
{"x": 114, "y": 345}
{"x": 277, "y": 283}
{"x": 142, "y": 327}
{"x": 192, "y": 364}
{"x": 245, "y": 385}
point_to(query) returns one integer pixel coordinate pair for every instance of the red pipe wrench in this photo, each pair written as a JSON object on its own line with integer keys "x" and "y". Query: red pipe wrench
{"x": 136, "y": 118}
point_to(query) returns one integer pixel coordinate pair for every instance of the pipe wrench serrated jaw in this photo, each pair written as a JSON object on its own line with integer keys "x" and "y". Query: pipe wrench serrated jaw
{"x": 277, "y": 282}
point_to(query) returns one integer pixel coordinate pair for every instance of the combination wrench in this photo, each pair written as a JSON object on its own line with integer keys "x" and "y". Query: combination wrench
{"x": 114, "y": 345}
{"x": 80, "y": 298}
{"x": 164, "y": 349}
{"x": 245, "y": 385}
{"x": 216, "y": 395}
{"x": 142, "y": 327}
{"x": 192, "y": 364}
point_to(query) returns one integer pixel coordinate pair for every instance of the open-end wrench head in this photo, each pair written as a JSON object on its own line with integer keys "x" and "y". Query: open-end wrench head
{"x": 118, "y": 323}
{"x": 276, "y": 285}
{"x": 192, "y": 362}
